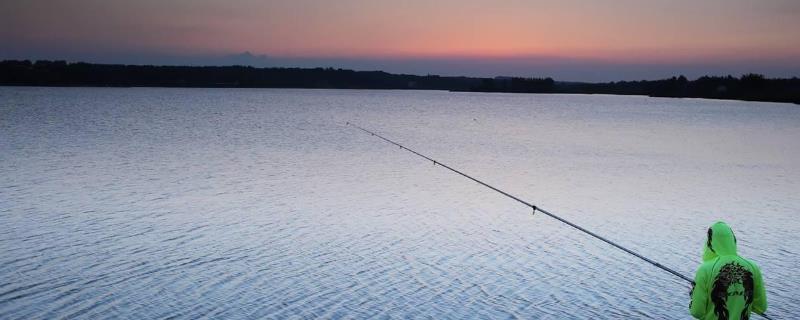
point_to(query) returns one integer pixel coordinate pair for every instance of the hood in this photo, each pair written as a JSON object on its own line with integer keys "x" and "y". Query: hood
{"x": 720, "y": 241}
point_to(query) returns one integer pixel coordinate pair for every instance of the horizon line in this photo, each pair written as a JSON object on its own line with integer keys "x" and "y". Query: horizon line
{"x": 498, "y": 76}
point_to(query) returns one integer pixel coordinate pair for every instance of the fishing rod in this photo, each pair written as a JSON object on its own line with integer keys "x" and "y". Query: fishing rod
{"x": 536, "y": 208}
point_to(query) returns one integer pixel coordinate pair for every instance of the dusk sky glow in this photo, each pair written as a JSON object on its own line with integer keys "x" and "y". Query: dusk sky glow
{"x": 571, "y": 39}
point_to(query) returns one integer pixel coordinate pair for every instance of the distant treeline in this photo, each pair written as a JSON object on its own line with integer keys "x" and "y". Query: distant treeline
{"x": 60, "y": 73}
{"x": 753, "y": 87}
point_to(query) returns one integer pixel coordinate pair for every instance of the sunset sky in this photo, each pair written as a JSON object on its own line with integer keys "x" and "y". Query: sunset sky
{"x": 569, "y": 40}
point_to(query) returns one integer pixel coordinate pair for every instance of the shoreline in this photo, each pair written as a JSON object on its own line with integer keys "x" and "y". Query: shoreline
{"x": 42, "y": 73}
{"x": 392, "y": 89}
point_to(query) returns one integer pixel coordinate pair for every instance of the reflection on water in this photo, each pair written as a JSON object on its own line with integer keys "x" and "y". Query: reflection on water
{"x": 151, "y": 203}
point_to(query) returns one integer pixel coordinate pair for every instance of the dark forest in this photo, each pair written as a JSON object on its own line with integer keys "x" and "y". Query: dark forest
{"x": 751, "y": 87}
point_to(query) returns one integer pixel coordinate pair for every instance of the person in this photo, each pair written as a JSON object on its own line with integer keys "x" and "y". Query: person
{"x": 726, "y": 285}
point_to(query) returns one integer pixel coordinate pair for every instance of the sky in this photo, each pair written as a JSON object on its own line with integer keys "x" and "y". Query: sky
{"x": 572, "y": 40}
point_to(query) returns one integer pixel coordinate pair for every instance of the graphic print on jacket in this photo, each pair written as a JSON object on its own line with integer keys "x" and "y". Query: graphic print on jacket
{"x": 732, "y": 281}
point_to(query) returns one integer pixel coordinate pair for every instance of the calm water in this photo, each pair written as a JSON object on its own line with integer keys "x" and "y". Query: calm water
{"x": 222, "y": 203}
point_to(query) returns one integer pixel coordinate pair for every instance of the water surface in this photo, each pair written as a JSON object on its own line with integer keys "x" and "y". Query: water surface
{"x": 257, "y": 203}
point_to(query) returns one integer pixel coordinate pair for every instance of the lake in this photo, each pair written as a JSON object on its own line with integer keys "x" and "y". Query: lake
{"x": 262, "y": 203}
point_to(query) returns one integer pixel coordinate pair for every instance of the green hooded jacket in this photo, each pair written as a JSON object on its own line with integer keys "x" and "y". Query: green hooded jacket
{"x": 726, "y": 285}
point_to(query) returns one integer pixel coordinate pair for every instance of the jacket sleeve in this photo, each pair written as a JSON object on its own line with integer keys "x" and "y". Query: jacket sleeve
{"x": 760, "y": 293}
{"x": 699, "y": 293}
